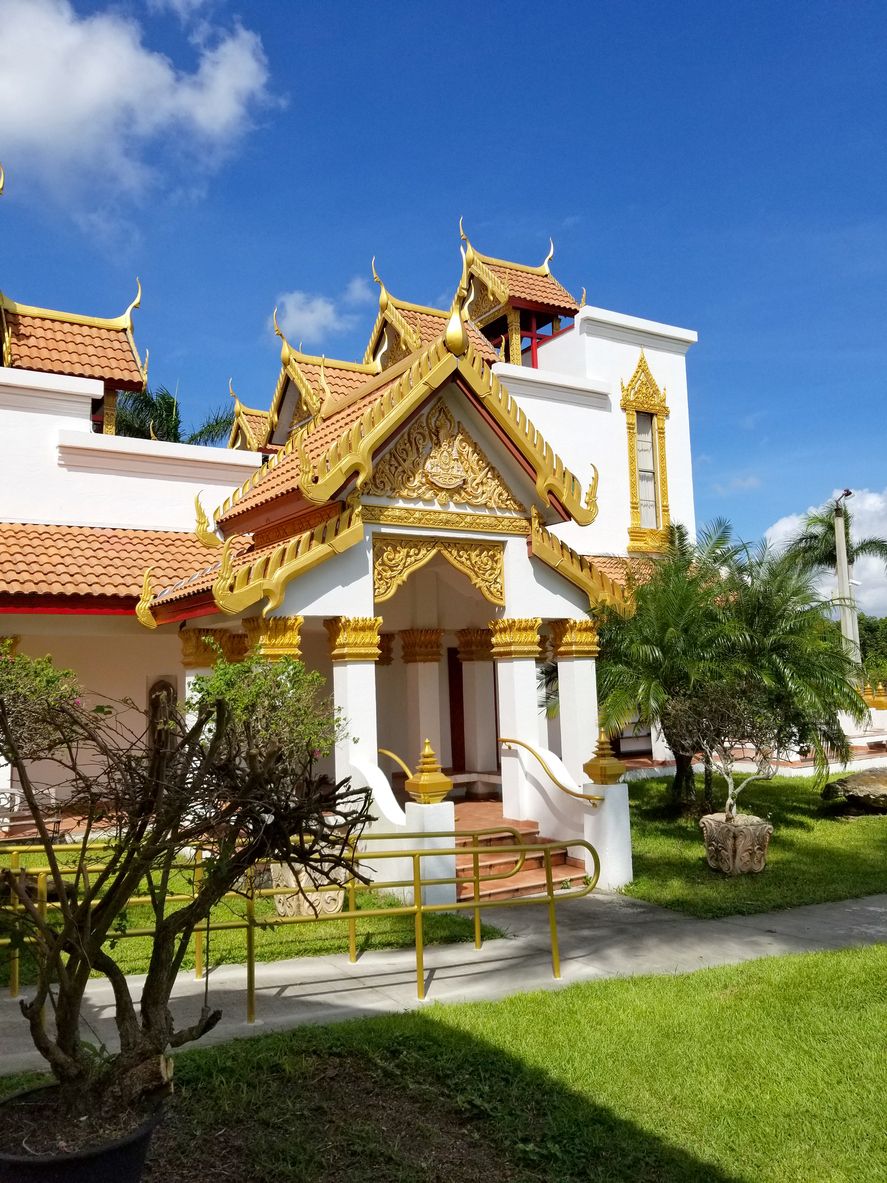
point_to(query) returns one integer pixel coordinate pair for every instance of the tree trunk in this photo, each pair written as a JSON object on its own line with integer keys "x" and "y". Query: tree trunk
{"x": 683, "y": 786}
{"x": 708, "y": 799}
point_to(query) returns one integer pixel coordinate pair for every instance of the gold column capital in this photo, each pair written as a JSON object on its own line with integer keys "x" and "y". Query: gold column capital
{"x": 235, "y": 646}
{"x": 200, "y": 647}
{"x": 515, "y": 637}
{"x": 420, "y": 644}
{"x": 574, "y": 638}
{"x": 475, "y": 644}
{"x": 354, "y": 638}
{"x": 275, "y": 636}
{"x": 386, "y": 648}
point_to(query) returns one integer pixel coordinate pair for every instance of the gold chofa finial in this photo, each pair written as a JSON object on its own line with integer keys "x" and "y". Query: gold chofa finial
{"x": 202, "y": 528}
{"x": 462, "y": 233}
{"x": 547, "y": 260}
{"x": 383, "y": 291}
{"x": 456, "y": 335}
{"x": 231, "y": 390}
{"x": 286, "y": 350}
{"x": 582, "y": 299}
{"x": 127, "y": 316}
{"x": 375, "y": 273}
{"x": 143, "y": 607}
{"x": 2, "y": 180}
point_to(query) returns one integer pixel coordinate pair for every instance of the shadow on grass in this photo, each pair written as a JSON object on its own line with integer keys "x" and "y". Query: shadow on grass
{"x": 392, "y": 1101}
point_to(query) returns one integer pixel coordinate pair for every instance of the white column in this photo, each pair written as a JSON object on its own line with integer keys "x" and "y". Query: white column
{"x": 421, "y": 649}
{"x": 575, "y": 649}
{"x": 515, "y": 649}
{"x": 478, "y": 698}
{"x": 354, "y": 648}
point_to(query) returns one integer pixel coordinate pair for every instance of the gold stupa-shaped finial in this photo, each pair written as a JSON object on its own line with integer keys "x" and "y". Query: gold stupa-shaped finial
{"x": 428, "y": 785}
{"x": 603, "y": 768}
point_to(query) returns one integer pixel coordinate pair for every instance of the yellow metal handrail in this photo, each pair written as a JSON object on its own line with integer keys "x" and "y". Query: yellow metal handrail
{"x": 418, "y": 908}
{"x": 589, "y": 798}
{"x": 397, "y": 760}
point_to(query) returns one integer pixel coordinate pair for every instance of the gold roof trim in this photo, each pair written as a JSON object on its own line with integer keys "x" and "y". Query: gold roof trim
{"x": 202, "y": 531}
{"x": 351, "y": 454}
{"x": 575, "y": 567}
{"x": 143, "y": 608}
{"x": 543, "y": 268}
{"x": 124, "y": 321}
{"x": 236, "y": 590}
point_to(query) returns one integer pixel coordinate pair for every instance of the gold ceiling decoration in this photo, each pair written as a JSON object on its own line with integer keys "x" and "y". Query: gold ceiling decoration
{"x": 395, "y": 559}
{"x": 436, "y": 460}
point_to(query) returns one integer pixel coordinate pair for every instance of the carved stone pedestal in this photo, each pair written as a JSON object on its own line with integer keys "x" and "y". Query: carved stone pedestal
{"x": 737, "y": 847}
{"x": 305, "y": 900}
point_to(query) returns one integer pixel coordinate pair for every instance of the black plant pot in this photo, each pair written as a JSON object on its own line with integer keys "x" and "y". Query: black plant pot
{"x": 120, "y": 1161}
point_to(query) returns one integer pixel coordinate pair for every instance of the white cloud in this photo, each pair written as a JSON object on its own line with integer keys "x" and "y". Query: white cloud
{"x": 84, "y": 101}
{"x": 869, "y": 510}
{"x": 185, "y": 10}
{"x": 310, "y": 318}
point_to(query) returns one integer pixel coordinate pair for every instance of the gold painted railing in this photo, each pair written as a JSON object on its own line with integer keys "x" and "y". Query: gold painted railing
{"x": 588, "y": 798}
{"x": 417, "y": 882}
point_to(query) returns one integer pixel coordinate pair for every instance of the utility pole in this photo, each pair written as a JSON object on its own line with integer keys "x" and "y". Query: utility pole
{"x": 847, "y": 607}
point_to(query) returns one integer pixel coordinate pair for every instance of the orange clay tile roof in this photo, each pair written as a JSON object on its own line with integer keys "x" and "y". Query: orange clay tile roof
{"x": 534, "y": 287}
{"x": 427, "y": 324}
{"x": 621, "y": 568}
{"x": 256, "y": 423}
{"x": 38, "y": 560}
{"x": 66, "y": 347}
{"x": 342, "y": 382}
{"x": 201, "y": 575}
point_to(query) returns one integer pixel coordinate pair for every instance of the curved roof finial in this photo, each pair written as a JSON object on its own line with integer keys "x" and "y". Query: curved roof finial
{"x": 127, "y": 315}
{"x": 582, "y": 299}
{"x": 383, "y": 291}
{"x": 231, "y": 390}
{"x": 143, "y": 608}
{"x": 286, "y": 350}
{"x": 2, "y": 179}
{"x": 548, "y": 257}
{"x": 462, "y": 233}
{"x": 456, "y": 336}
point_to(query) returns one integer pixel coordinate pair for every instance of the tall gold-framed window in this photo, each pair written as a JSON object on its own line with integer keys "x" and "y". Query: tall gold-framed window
{"x": 645, "y": 414}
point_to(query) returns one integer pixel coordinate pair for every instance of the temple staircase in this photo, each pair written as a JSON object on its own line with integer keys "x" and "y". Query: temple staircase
{"x": 530, "y": 879}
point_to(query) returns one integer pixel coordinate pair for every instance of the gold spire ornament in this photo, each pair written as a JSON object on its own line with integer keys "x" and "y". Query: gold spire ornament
{"x": 603, "y": 768}
{"x": 143, "y": 608}
{"x": 428, "y": 785}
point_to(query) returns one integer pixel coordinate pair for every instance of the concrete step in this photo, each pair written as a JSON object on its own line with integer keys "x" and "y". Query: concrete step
{"x": 494, "y": 863}
{"x": 525, "y": 883}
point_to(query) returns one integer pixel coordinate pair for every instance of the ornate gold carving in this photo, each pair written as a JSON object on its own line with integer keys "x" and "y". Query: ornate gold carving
{"x": 235, "y": 646}
{"x": 200, "y": 647}
{"x": 475, "y": 644}
{"x": 442, "y": 519}
{"x": 515, "y": 637}
{"x": 420, "y": 644}
{"x": 109, "y": 414}
{"x": 643, "y": 394}
{"x": 206, "y": 536}
{"x": 386, "y": 648}
{"x": 395, "y": 558}
{"x": 274, "y": 637}
{"x": 435, "y": 460}
{"x": 575, "y": 567}
{"x": 354, "y": 638}
{"x": 143, "y": 608}
{"x": 574, "y": 638}
{"x": 515, "y": 354}
{"x": 236, "y": 590}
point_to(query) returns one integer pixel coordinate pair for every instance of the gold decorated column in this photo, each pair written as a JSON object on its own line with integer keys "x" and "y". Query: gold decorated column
{"x": 354, "y": 650}
{"x": 515, "y": 637}
{"x": 575, "y": 649}
{"x": 479, "y": 698}
{"x": 354, "y": 638}
{"x": 515, "y": 653}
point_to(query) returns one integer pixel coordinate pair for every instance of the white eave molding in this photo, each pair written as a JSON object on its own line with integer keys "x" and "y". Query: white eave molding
{"x": 48, "y": 394}
{"x": 634, "y": 330}
{"x": 554, "y": 386}
{"x": 135, "y": 457}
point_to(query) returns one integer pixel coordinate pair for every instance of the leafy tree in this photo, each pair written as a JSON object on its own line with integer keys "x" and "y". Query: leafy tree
{"x": 156, "y": 414}
{"x": 873, "y": 644}
{"x": 231, "y": 772}
{"x": 719, "y": 617}
{"x": 815, "y": 546}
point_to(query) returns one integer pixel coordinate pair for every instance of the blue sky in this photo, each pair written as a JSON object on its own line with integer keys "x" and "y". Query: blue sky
{"x": 714, "y": 165}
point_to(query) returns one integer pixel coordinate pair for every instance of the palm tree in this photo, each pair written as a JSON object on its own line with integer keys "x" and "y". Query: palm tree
{"x": 155, "y": 414}
{"x": 721, "y": 617}
{"x": 815, "y": 545}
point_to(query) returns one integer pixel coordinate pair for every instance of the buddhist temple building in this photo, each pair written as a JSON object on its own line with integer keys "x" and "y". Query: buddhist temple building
{"x": 423, "y": 524}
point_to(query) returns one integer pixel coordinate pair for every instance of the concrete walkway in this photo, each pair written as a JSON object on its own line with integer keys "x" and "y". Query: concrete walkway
{"x": 601, "y": 936}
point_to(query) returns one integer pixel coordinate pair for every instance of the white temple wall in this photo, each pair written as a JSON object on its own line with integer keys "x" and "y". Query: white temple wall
{"x": 57, "y": 470}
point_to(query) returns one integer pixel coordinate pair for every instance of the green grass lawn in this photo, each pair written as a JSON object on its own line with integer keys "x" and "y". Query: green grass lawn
{"x": 305, "y": 939}
{"x": 815, "y": 854}
{"x": 769, "y": 1072}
